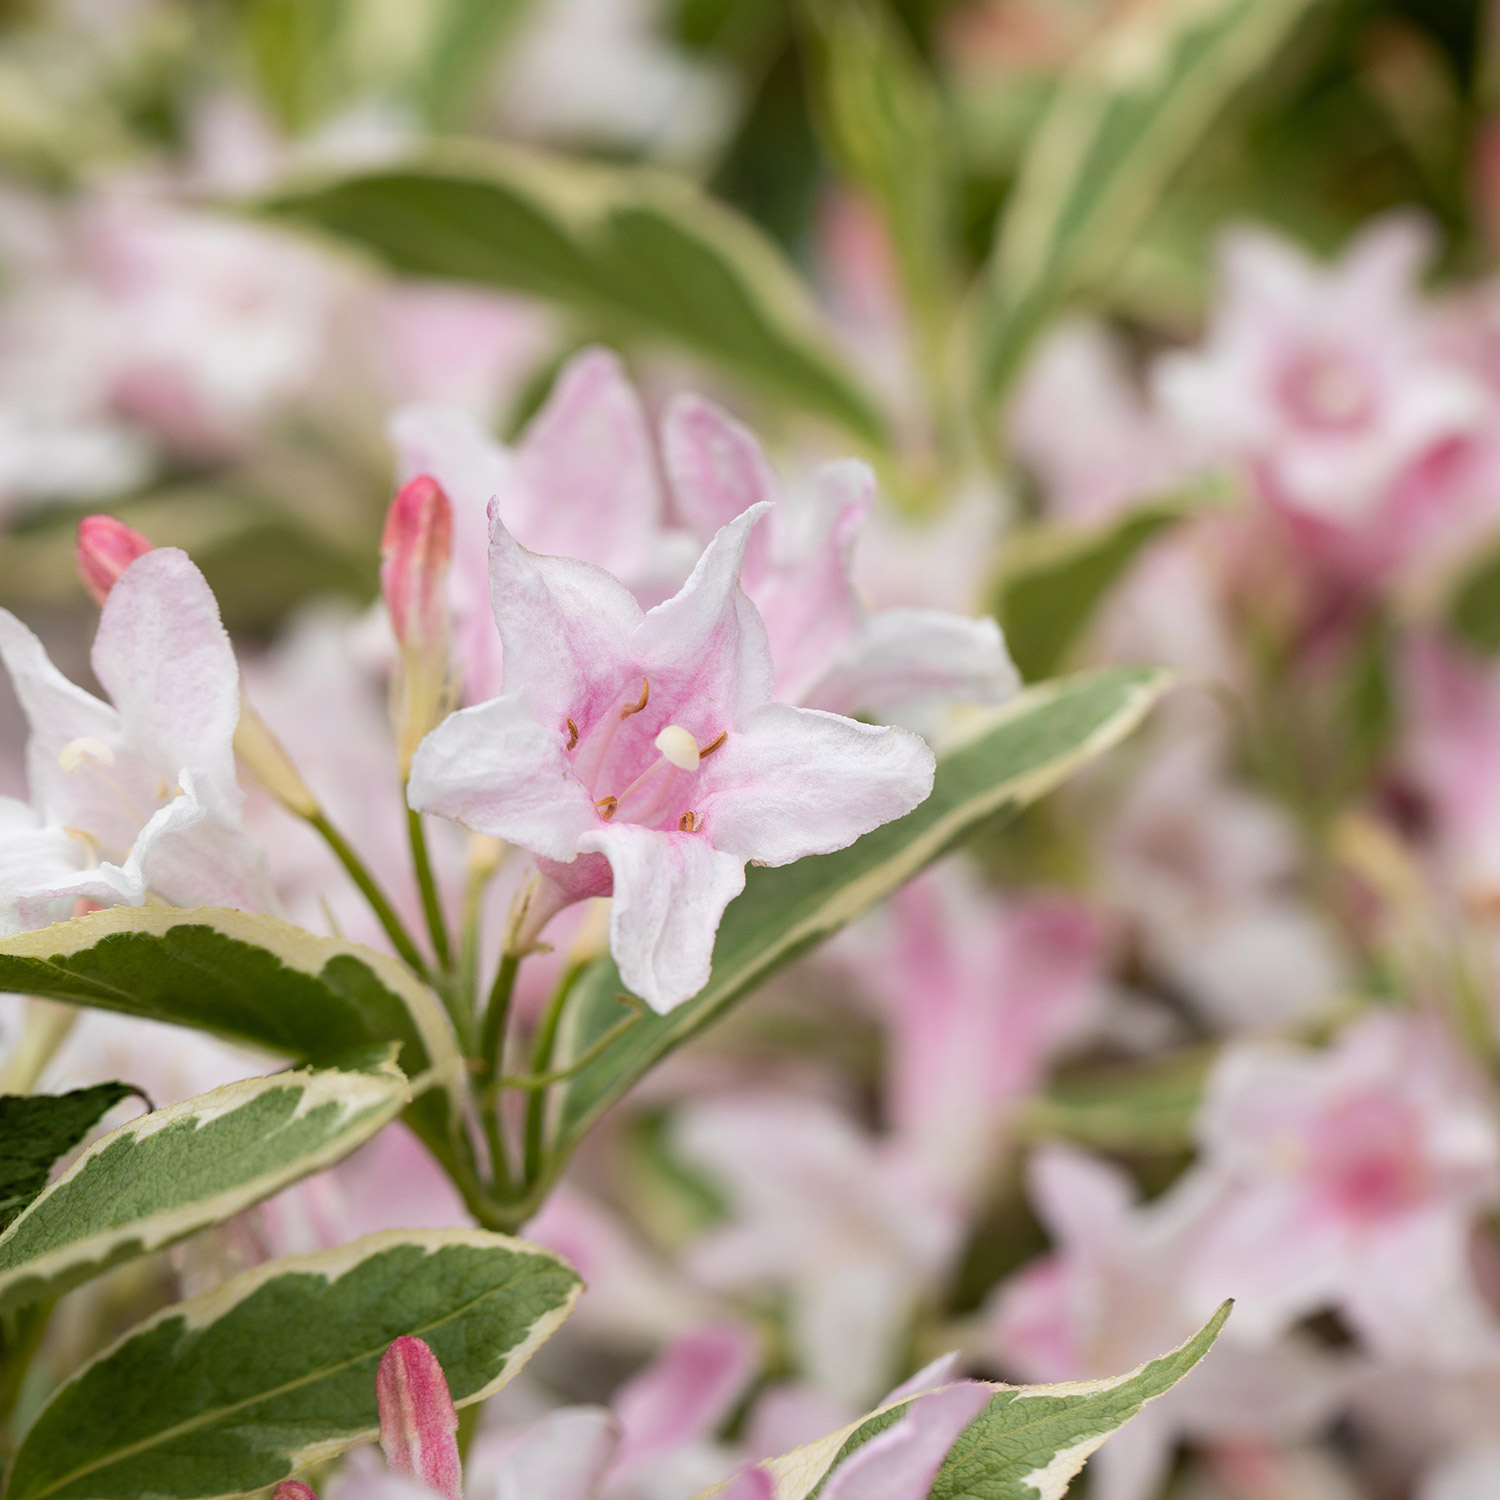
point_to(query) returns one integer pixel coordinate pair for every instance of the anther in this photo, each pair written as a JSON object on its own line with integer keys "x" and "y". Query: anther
{"x": 635, "y": 708}
{"x": 85, "y": 747}
{"x": 713, "y": 745}
{"x": 572, "y": 733}
{"x": 607, "y": 806}
{"x": 687, "y": 823}
{"x": 678, "y": 747}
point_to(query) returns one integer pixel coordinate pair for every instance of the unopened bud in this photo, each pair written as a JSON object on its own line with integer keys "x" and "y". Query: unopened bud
{"x": 414, "y": 556}
{"x": 105, "y": 548}
{"x": 418, "y": 1425}
{"x": 292, "y": 1489}
{"x": 263, "y": 755}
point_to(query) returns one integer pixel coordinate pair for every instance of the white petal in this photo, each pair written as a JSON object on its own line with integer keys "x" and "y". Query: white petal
{"x": 494, "y": 769}
{"x": 670, "y": 892}
{"x": 797, "y": 781}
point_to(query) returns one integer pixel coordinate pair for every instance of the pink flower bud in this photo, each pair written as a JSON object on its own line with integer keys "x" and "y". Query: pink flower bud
{"x": 418, "y": 1425}
{"x": 414, "y": 557}
{"x": 106, "y": 547}
{"x": 414, "y": 554}
{"x": 292, "y": 1489}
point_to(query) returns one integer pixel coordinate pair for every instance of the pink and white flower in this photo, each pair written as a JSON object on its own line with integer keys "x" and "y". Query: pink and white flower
{"x": 1351, "y": 1178}
{"x": 137, "y": 795}
{"x": 830, "y": 650}
{"x": 850, "y": 1227}
{"x": 641, "y": 754}
{"x": 582, "y": 482}
{"x": 979, "y": 996}
{"x": 1325, "y": 381}
{"x": 1111, "y": 1296}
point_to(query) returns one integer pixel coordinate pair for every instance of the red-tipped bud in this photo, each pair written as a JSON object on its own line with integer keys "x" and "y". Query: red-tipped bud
{"x": 106, "y": 547}
{"x": 418, "y": 1425}
{"x": 414, "y": 555}
{"x": 292, "y": 1489}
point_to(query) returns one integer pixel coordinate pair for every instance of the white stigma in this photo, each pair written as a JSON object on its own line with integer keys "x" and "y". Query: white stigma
{"x": 85, "y": 747}
{"x": 678, "y": 747}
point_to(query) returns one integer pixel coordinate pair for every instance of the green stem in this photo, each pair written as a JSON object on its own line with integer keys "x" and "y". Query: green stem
{"x": 20, "y": 1337}
{"x": 541, "y": 1058}
{"x": 432, "y": 906}
{"x": 372, "y": 893}
{"x": 579, "y": 1063}
{"x": 491, "y": 1060}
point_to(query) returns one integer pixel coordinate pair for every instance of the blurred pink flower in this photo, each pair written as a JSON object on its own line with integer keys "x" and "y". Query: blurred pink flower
{"x": 1089, "y": 432}
{"x": 1210, "y": 870}
{"x": 830, "y": 651}
{"x": 851, "y": 1228}
{"x": 1350, "y": 1178}
{"x": 1452, "y": 750}
{"x": 1111, "y": 1296}
{"x": 641, "y": 755}
{"x": 1327, "y": 383}
{"x": 980, "y": 994}
{"x": 582, "y": 482}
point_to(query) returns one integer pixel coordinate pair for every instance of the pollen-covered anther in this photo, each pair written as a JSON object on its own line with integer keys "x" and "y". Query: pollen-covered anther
{"x": 688, "y": 822}
{"x": 607, "y": 806}
{"x": 714, "y": 744}
{"x": 679, "y": 748}
{"x": 572, "y": 733}
{"x": 640, "y": 703}
{"x": 85, "y": 747}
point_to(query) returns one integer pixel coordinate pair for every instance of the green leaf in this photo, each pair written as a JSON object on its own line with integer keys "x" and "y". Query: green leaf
{"x": 887, "y": 124}
{"x": 1148, "y": 1106}
{"x": 1127, "y": 115}
{"x": 1054, "y": 577}
{"x": 1010, "y": 757}
{"x": 250, "y": 978}
{"x": 463, "y": 51}
{"x": 1028, "y": 1443}
{"x": 37, "y": 1130}
{"x": 275, "y": 1370}
{"x": 168, "y": 1174}
{"x": 1474, "y": 607}
{"x": 630, "y": 249}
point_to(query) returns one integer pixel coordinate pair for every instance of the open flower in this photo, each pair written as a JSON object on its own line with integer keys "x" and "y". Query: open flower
{"x": 1324, "y": 379}
{"x": 830, "y": 650}
{"x": 640, "y": 754}
{"x": 139, "y": 794}
{"x": 1351, "y": 1177}
{"x": 581, "y": 482}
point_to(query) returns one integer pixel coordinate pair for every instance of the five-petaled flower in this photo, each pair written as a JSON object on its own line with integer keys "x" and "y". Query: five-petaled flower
{"x": 641, "y": 754}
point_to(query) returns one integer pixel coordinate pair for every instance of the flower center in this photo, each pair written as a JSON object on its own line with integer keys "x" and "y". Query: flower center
{"x": 613, "y": 756}
{"x": 1326, "y": 391}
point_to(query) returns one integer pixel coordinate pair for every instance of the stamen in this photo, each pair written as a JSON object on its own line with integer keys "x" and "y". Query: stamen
{"x": 679, "y": 747}
{"x": 85, "y": 747}
{"x": 572, "y": 734}
{"x": 607, "y": 806}
{"x": 713, "y": 745}
{"x": 688, "y": 823}
{"x": 635, "y": 708}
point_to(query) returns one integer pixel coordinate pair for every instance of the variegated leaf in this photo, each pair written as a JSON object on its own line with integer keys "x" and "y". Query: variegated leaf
{"x": 1027, "y": 1443}
{"x": 1008, "y": 758}
{"x": 275, "y": 1370}
{"x": 251, "y": 978}
{"x": 37, "y": 1130}
{"x": 165, "y": 1175}
{"x": 1124, "y": 119}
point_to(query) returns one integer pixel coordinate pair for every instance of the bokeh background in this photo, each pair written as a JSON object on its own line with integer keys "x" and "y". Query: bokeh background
{"x": 1172, "y": 330}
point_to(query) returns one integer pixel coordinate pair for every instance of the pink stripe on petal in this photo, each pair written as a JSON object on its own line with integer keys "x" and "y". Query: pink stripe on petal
{"x": 751, "y": 1483}
{"x": 418, "y": 1425}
